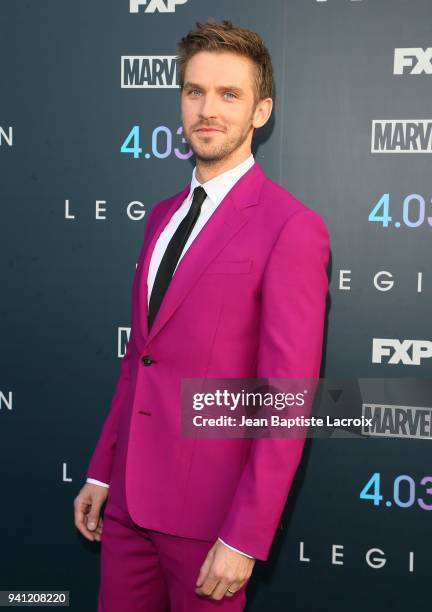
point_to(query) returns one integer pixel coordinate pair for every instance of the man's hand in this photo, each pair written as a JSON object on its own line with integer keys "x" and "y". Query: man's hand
{"x": 223, "y": 568}
{"x": 87, "y": 507}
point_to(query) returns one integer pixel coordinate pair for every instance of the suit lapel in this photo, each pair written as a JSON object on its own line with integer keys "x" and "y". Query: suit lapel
{"x": 228, "y": 218}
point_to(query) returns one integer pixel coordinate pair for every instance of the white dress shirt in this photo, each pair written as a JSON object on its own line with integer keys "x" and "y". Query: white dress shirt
{"x": 216, "y": 190}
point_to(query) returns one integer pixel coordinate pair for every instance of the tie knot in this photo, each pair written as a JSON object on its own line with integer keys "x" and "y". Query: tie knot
{"x": 199, "y": 195}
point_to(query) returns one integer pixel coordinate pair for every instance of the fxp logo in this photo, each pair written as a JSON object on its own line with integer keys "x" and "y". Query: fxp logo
{"x": 394, "y": 351}
{"x": 155, "y": 6}
{"x": 412, "y": 60}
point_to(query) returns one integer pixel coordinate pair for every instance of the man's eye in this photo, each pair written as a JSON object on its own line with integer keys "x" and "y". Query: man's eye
{"x": 194, "y": 91}
{"x": 230, "y": 94}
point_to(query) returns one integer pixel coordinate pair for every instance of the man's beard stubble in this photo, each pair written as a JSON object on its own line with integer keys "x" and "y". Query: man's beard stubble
{"x": 221, "y": 152}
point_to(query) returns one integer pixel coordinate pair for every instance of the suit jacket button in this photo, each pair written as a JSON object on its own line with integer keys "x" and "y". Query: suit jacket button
{"x": 147, "y": 360}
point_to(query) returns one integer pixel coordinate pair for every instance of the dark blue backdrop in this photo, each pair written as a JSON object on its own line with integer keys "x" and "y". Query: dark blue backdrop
{"x": 70, "y": 240}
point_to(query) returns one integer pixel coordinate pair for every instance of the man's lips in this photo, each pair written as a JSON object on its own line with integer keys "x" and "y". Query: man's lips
{"x": 205, "y": 130}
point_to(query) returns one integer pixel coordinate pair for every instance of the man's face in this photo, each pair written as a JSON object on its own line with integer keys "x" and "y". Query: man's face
{"x": 217, "y": 104}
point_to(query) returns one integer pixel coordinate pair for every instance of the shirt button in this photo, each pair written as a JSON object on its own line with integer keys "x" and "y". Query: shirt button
{"x": 147, "y": 360}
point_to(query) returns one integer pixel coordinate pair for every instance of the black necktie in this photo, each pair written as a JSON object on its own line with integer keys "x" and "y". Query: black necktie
{"x": 173, "y": 252}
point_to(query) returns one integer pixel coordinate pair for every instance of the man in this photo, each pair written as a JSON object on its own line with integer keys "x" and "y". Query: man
{"x": 230, "y": 282}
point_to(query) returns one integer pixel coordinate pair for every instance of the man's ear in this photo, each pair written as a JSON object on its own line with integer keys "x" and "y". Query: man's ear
{"x": 262, "y": 112}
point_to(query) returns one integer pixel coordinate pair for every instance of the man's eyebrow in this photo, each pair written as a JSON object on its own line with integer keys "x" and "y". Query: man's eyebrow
{"x": 235, "y": 88}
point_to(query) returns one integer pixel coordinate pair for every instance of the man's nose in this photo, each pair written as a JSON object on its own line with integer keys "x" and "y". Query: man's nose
{"x": 208, "y": 107}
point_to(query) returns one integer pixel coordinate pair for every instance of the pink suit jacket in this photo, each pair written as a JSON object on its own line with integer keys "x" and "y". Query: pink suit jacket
{"x": 247, "y": 300}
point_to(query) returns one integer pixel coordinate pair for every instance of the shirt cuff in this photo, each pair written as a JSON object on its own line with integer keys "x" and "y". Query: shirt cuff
{"x": 98, "y": 482}
{"x": 236, "y": 549}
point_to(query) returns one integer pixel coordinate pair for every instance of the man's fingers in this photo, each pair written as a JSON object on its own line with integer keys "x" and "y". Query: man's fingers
{"x": 80, "y": 524}
{"x": 220, "y": 590}
{"x": 80, "y": 510}
{"x": 223, "y": 570}
{"x": 233, "y": 588}
{"x": 93, "y": 515}
{"x": 92, "y": 520}
{"x": 208, "y": 586}
{"x": 217, "y": 588}
{"x": 229, "y": 593}
{"x": 87, "y": 511}
{"x": 93, "y": 533}
{"x": 98, "y": 530}
{"x": 87, "y": 518}
{"x": 205, "y": 568}
{"x": 222, "y": 587}
{"x": 97, "y": 533}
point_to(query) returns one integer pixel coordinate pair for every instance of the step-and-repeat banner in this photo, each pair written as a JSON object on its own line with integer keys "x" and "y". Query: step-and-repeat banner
{"x": 90, "y": 140}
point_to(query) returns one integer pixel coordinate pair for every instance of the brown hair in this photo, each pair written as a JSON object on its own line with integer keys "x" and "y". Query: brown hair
{"x": 224, "y": 36}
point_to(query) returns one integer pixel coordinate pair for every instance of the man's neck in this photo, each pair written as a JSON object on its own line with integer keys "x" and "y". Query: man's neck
{"x": 205, "y": 171}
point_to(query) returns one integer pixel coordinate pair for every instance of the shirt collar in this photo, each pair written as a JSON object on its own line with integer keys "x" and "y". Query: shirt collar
{"x": 218, "y": 187}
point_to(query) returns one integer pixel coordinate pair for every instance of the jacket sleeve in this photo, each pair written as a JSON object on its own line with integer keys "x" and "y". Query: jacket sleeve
{"x": 293, "y": 302}
{"x": 101, "y": 462}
